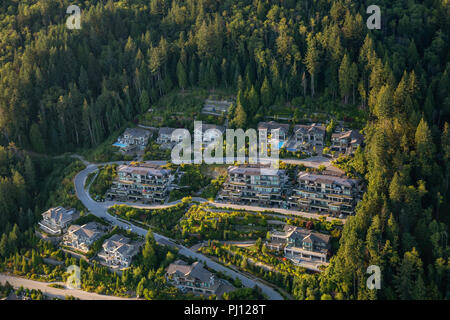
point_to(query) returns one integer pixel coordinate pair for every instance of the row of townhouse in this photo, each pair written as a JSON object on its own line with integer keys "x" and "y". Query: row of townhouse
{"x": 307, "y": 138}
{"x": 254, "y": 185}
{"x": 325, "y": 193}
{"x": 147, "y": 182}
{"x": 313, "y": 192}
{"x": 302, "y": 246}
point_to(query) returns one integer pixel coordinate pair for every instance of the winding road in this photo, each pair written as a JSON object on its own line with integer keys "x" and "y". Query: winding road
{"x": 99, "y": 209}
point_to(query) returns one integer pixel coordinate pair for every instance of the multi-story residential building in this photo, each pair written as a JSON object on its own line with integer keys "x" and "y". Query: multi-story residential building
{"x": 283, "y": 129}
{"x": 147, "y": 182}
{"x": 254, "y": 185}
{"x": 82, "y": 237}
{"x": 193, "y": 277}
{"x": 302, "y": 246}
{"x": 346, "y": 142}
{"x": 55, "y": 220}
{"x": 133, "y": 139}
{"x": 165, "y": 136}
{"x": 325, "y": 193}
{"x": 118, "y": 251}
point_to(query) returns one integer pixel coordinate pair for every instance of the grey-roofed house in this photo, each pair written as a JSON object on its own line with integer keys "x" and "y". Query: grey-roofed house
{"x": 346, "y": 142}
{"x": 216, "y": 107}
{"x": 147, "y": 182}
{"x": 133, "y": 139}
{"x": 283, "y": 129}
{"x": 302, "y": 246}
{"x": 308, "y": 137}
{"x": 254, "y": 185}
{"x": 325, "y": 193}
{"x": 165, "y": 136}
{"x": 55, "y": 220}
{"x": 82, "y": 237}
{"x": 118, "y": 252}
{"x": 194, "y": 277}
{"x": 210, "y": 132}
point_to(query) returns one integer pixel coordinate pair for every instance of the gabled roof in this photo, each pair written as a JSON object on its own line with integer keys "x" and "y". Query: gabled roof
{"x": 89, "y": 230}
{"x": 305, "y": 235}
{"x": 59, "y": 214}
{"x": 196, "y": 270}
{"x": 137, "y": 132}
{"x": 353, "y": 135}
{"x": 166, "y": 130}
{"x": 313, "y": 128}
{"x": 272, "y": 125}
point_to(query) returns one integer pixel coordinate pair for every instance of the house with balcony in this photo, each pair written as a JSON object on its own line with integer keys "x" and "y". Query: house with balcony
{"x": 325, "y": 193}
{"x": 257, "y": 185}
{"x": 56, "y": 220}
{"x": 192, "y": 278}
{"x": 82, "y": 237}
{"x": 118, "y": 252}
{"x": 209, "y": 133}
{"x": 283, "y": 129}
{"x": 346, "y": 142}
{"x": 132, "y": 140}
{"x": 302, "y": 246}
{"x": 307, "y": 138}
{"x": 147, "y": 182}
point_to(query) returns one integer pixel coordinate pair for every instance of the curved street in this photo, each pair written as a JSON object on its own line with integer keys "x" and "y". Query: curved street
{"x": 51, "y": 292}
{"x": 100, "y": 210}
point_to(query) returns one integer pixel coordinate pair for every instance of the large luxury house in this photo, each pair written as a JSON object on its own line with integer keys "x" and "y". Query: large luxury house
{"x": 55, "y": 220}
{"x": 82, "y": 237}
{"x": 118, "y": 252}
{"x": 346, "y": 142}
{"x": 209, "y": 133}
{"x": 133, "y": 139}
{"x": 193, "y": 277}
{"x": 325, "y": 193}
{"x": 301, "y": 245}
{"x": 165, "y": 136}
{"x": 283, "y": 129}
{"x": 309, "y": 136}
{"x": 254, "y": 185}
{"x": 147, "y": 182}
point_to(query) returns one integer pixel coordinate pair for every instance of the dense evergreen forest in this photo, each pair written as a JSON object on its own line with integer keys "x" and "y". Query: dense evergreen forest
{"x": 62, "y": 90}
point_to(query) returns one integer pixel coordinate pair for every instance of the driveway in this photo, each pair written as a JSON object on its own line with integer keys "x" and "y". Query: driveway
{"x": 18, "y": 282}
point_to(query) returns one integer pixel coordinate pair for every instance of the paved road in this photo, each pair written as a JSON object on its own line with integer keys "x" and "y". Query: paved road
{"x": 17, "y": 282}
{"x": 100, "y": 210}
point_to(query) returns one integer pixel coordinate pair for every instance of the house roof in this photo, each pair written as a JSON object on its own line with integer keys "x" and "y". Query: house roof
{"x": 292, "y": 232}
{"x": 206, "y": 127}
{"x": 196, "y": 270}
{"x": 137, "y": 132}
{"x": 313, "y": 128}
{"x": 166, "y": 130}
{"x": 121, "y": 245}
{"x": 353, "y": 135}
{"x": 144, "y": 170}
{"x": 59, "y": 214}
{"x": 272, "y": 125}
{"x": 327, "y": 179}
{"x": 90, "y": 230}
{"x": 254, "y": 170}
